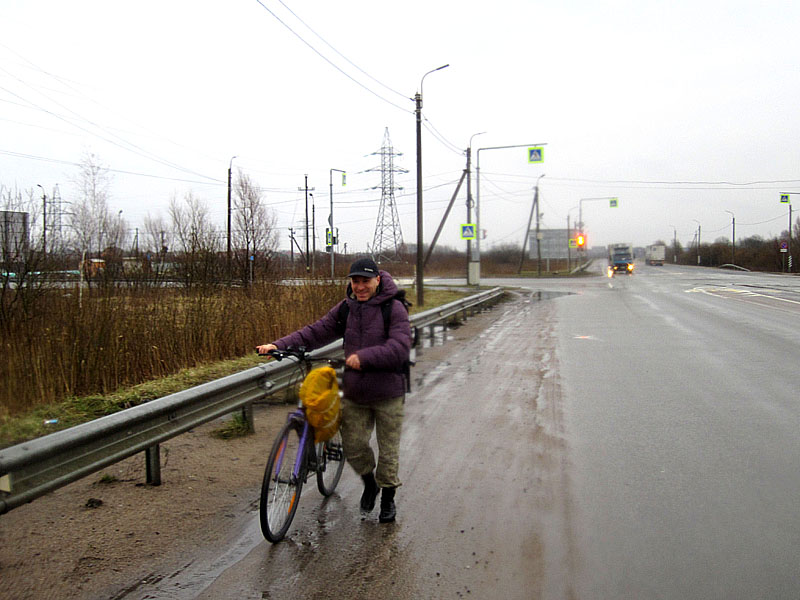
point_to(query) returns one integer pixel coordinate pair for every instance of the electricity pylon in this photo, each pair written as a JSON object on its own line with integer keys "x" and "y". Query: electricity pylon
{"x": 388, "y": 240}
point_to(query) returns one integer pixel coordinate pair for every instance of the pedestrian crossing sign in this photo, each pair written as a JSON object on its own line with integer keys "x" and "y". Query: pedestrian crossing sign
{"x": 536, "y": 154}
{"x": 468, "y": 231}
{"x": 785, "y": 198}
{"x": 612, "y": 202}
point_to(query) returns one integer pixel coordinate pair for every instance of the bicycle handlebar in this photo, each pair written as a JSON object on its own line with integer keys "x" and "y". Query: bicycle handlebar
{"x": 301, "y": 354}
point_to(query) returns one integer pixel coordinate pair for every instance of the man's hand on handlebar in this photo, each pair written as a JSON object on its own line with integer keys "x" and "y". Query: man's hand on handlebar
{"x": 264, "y": 349}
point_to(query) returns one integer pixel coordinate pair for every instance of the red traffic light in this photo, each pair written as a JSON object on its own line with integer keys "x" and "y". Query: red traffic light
{"x": 581, "y": 240}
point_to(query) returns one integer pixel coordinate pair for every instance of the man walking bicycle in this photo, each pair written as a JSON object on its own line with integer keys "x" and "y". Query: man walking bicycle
{"x": 377, "y": 342}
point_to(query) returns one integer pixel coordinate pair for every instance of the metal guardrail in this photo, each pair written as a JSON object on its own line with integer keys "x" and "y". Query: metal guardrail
{"x": 36, "y": 467}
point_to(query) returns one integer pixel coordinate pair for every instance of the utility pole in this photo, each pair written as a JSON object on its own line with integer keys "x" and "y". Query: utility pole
{"x": 418, "y": 112}
{"x": 44, "y": 221}
{"x": 538, "y": 245}
{"x": 790, "y": 238}
{"x": 535, "y": 208}
{"x": 569, "y": 254}
{"x": 313, "y": 236}
{"x": 291, "y": 247}
{"x": 733, "y": 238}
{"x": 469, "y": 211}
{"x": 334, "y": 236}
{"x": 698, "y": 241}
{"x": 229, "y": 263}
{"x": 307, "y": 189}
{"x": 473, "y": 267}
{"x": 420, "y": 264}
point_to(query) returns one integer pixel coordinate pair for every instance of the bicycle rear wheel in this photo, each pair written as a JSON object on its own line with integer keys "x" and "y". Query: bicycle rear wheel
{"x": 330, "y": 462}
{"x": 280, "y": 490}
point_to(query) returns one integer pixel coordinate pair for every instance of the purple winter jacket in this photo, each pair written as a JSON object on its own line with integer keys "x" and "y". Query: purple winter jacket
{"x": 365, "y": 333}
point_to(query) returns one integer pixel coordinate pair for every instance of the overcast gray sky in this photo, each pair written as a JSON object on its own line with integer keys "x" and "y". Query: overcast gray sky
{"x": 683, "y": 110}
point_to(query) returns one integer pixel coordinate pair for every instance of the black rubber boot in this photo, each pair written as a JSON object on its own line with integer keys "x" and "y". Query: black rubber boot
{"x": 371, "y": 490}
{"x": 388, "y": 509}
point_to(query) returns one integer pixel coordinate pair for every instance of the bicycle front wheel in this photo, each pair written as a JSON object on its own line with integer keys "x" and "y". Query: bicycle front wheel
{"x": 330, "y": 462}
{"x": 280, "y": 490}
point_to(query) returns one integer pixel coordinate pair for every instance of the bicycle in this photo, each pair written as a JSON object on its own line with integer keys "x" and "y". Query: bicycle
{"x": 294, "y": 456}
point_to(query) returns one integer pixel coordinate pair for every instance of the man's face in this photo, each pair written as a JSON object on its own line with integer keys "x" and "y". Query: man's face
{"x": 364, "y": 288}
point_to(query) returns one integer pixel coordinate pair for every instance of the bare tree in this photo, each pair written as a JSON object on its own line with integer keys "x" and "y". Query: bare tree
{"x": 117, "y": 232}
{"x": 155, "y": 243}
{"x": 254, "y": 233}
{"x": 90, "y": 218}
{"x": 196, "y": 240}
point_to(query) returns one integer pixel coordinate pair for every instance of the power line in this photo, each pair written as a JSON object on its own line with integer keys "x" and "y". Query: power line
{"x": 67, "y": 83}
{"x": 330, "y": 62}
{"x": 443, "y": 140}
{"x": 125, "y": 145}
{"x": 122, "y": 172}
{"x": 339, "y": 53}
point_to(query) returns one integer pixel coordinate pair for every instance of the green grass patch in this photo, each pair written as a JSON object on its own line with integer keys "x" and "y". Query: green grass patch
{"x": 235, "y": 427}
{"x": 76, "y": 410}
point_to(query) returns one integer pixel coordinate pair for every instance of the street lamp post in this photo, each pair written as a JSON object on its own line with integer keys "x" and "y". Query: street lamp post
{"x": 472, "y": 278}
{"x": 334, "y": 241}
{"x": 733, "y": 237}
{"x": 420, "y": 261}
{"x": 230, "y": 271}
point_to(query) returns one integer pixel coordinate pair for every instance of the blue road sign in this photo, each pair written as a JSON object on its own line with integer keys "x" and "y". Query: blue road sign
{"x": 535, "y": 154}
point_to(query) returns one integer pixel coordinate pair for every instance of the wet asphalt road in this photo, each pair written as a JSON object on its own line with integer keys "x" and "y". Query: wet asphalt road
{"x": 683, "y": 401}
{"x": 636, "y": 438}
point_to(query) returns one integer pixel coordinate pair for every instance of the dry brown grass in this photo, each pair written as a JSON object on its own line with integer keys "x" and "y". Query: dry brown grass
{"x": 119, "y": 337}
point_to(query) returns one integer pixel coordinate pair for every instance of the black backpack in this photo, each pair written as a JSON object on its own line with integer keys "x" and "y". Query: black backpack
{"x": 386, "y": 311}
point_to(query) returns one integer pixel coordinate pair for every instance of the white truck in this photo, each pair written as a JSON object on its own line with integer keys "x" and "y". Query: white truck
{"x": 654, "y": 255}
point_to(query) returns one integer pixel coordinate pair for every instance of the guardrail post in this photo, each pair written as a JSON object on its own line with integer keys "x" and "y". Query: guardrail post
{"x": 153, "y": 460}
{"x": 247, "y": 415}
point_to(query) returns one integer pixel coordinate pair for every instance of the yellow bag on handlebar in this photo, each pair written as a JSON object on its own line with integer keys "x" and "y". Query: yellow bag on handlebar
{"x": 320, "y": 397}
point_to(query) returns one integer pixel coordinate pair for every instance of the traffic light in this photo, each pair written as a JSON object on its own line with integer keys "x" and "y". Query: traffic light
{"x": 581, "y": 240}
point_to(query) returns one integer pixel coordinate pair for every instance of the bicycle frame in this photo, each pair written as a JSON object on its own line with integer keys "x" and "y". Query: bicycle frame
{"x": 297, "y": 415}
{"x": 283, "y": 482}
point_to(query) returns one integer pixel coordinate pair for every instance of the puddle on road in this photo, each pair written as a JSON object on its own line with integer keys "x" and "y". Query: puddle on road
{"x": 437, "y": 335}
{"x": 548, "y": 295}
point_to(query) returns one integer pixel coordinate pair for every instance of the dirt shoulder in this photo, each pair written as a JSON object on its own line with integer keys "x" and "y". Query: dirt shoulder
{"x": 100, "y": 536}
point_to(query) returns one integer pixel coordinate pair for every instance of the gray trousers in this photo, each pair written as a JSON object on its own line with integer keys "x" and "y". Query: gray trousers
{"x": 358, "y": 421}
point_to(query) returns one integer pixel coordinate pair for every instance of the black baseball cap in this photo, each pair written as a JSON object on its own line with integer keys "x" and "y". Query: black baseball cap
{"x": 364, "y": 267}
